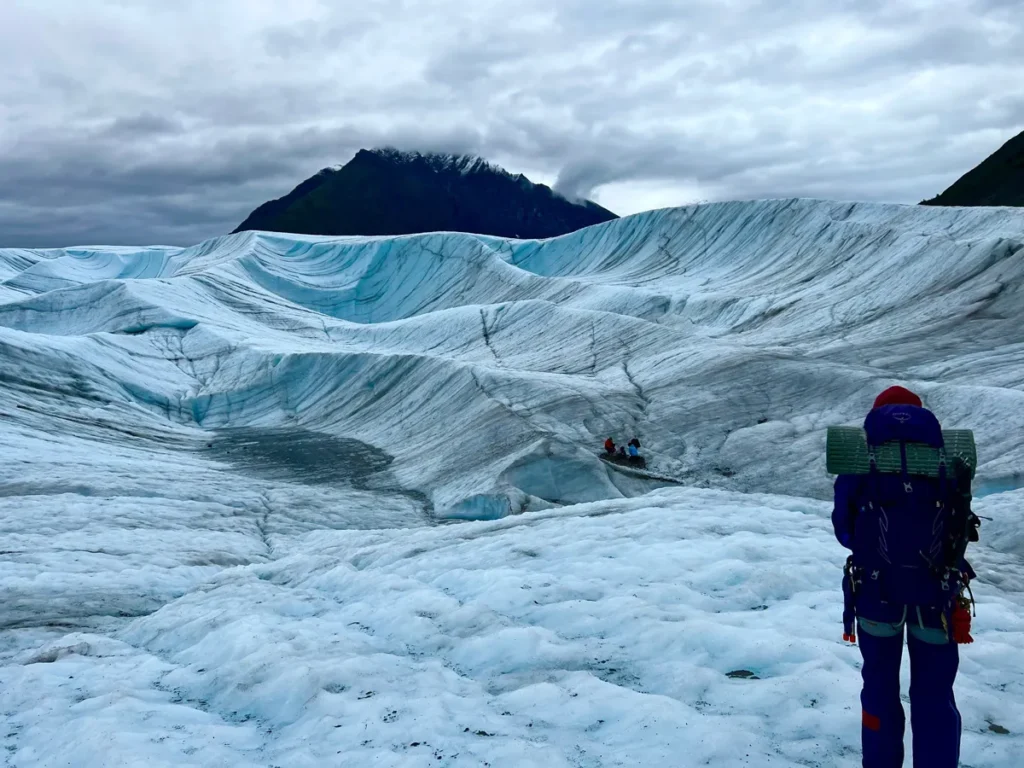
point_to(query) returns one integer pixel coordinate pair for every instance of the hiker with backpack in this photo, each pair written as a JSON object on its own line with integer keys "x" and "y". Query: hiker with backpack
{"x": 907, "y": 576}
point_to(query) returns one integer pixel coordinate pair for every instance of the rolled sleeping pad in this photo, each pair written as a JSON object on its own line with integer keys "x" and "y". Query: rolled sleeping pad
{"x": 847, "y": 453}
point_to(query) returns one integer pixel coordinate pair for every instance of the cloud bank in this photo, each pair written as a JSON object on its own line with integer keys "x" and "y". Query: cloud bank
{"x": 149, "y": 122}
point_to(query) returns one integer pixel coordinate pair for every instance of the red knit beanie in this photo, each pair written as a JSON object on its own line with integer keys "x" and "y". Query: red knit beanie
{"x": 897, "y": 396}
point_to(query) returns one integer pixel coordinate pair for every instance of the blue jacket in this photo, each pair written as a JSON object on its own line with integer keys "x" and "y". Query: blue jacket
{"x": 847, "y": 493}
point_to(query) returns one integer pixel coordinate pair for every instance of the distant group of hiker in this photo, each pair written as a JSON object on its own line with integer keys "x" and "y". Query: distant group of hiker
{"x": 629, "y": 452}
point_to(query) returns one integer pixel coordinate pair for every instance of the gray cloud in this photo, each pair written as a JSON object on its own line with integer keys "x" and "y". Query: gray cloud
{"x": 153, "y": 122}
{"x": 142, "y": 125}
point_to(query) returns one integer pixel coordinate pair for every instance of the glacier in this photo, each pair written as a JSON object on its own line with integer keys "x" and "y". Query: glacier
{"x": 283, "y": 500}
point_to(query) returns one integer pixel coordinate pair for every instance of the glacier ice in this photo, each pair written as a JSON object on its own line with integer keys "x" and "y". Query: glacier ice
{"x": 293, "y": 500}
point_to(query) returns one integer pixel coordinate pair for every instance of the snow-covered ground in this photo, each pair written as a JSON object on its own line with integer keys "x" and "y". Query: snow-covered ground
{"x": 302, "y": 501}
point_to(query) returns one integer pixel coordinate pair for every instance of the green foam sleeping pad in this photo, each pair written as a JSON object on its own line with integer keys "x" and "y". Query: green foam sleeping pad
{"x": 846, "y": 453}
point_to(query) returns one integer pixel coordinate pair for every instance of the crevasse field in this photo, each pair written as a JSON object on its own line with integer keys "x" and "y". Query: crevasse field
{"x": 283, "y": 501}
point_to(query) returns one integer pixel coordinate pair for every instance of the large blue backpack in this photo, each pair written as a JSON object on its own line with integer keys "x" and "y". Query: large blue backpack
{"x": 907, "y": 527}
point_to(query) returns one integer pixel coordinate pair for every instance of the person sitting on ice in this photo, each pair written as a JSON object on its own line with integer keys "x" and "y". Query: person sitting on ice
{"x": 609, "y": 447}
{"x": 622, "y": 451}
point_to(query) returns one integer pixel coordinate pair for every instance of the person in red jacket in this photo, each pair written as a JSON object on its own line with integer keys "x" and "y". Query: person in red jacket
{"x": 609, "y": 447}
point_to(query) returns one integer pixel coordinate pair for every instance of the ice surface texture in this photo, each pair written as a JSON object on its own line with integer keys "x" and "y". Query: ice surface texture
{"x": 721, "y": 334}
{"x": 225, "y": 469}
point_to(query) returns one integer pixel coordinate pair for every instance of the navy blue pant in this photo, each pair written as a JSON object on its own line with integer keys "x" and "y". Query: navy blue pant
{"x": 934, "y": 718}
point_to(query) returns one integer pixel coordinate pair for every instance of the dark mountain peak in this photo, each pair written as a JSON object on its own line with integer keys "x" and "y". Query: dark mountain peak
{"x": 393, "y": 192}
{"x": 999, "y": 180}
{"x": 435, "y": 161}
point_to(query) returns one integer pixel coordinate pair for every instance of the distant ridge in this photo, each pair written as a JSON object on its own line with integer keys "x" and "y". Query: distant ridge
{"x": 999, "y": 180}
{"x": 389, "y": 192}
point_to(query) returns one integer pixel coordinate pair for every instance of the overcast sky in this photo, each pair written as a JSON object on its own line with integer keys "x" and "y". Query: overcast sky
{"x": 159, "y": 121}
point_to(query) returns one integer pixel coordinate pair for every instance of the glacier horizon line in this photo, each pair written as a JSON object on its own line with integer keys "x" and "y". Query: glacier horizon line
{"x": 926, "y": 211}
